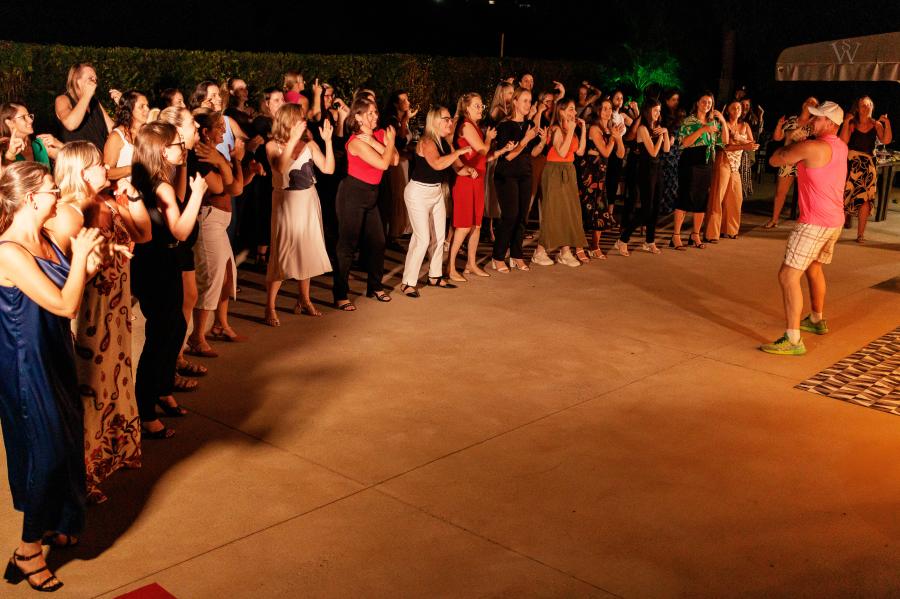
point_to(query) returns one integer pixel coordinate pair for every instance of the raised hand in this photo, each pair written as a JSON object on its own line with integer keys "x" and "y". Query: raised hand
{"x": 198, "y": 185}
{"x": 390, "y": 135}
{"x": 239, "y": 150}
{"x": 509, "y": 147}
{"x": 780, "y": 123}
{"x": 16, "y": 145}
{"x": 530, "y": 134}
{"x": 207, "y": 153}
{"x": 619, "y": 130}
{"x": 490, "y": 134}
{"x": 124, "y": 187}
{"x": 316, "y": 87}
{"x": 884, "y": 120}
{"x": 298, "y": 130}
{"x": 85, "y": 242}
{"x": 115, "y": 95}
{"x": 89, "y": 88}
{"x": 326, "y": 130}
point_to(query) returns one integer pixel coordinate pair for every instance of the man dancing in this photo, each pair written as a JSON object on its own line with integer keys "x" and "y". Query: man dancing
{"x": 821, "y": 174}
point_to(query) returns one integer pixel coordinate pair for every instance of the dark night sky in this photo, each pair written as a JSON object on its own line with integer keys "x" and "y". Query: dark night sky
{"x": 542, "y": 28}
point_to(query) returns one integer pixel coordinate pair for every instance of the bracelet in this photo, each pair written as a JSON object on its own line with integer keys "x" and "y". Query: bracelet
{"x": 136, "y": 198}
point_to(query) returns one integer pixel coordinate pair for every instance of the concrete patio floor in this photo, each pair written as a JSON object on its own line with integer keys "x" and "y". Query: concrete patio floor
{"x": 605, "y": 431}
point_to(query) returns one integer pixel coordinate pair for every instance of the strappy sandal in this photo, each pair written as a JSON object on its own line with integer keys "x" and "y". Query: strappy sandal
{"x": 597, "y": 254}
{"x": 698, "y": 244}
{"x": 175, "y": 411}
{"x": 194, "y": 349}
{"x": 309, "y": 310}
{"x": 517, "y": 264}
{"x": 15, "y": 574}
{"x": 680, "y": 247}
{"x": 219, "y": 334}
{"x": 440, "y": 282}
{"x": 405, "y": 290}
{"x": 185, "y": 368}
{"x": 183, "y": 384}
{"x": 582, "y": 257}
{"x": 772, "y": 224}
{"x": 381, "y": 296}
{"x": 345, "y": 306}
{"x": 163, "y": 433}
{"x": 271, "y": 319}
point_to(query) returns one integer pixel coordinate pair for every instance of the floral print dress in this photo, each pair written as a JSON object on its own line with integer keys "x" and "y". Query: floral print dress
{"x": 112, "y": 430}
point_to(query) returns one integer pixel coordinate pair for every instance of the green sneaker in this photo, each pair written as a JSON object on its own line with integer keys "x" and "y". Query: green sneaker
{"x": 784, "y": 347}
{"x": 819, "y": 328}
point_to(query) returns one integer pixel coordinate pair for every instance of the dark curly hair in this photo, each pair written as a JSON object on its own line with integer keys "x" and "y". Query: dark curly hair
{"x": 125, "y": 108}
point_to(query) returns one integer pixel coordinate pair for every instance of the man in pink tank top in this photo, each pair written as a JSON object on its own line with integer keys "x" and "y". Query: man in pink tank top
{"x": 821, "y": 174}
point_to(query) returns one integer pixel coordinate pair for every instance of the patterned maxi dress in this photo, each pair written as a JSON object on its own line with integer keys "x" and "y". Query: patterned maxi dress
{"x": 592, "y": 187}
{"x": 112, "y": 431}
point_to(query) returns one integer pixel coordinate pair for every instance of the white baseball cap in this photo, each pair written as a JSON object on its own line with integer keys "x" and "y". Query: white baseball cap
{"x": 829, "y": 110}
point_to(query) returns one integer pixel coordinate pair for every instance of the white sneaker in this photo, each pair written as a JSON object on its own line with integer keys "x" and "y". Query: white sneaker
{"x": 568, "y": 259}
{"x": 541, "y": 258}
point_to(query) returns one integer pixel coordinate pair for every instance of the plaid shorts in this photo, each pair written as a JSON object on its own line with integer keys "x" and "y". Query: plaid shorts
{"x": 808, "y": 243}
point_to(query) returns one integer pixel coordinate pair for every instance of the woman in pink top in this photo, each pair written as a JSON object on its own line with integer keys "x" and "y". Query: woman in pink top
{"x": 369, "y": 154}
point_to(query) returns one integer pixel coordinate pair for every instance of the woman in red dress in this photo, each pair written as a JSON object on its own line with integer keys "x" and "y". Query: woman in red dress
{"x": 468, "y": 192}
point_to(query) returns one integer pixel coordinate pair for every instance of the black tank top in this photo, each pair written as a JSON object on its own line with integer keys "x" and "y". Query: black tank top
{"x": 422, "y": 171}
{"x": 863, "y": 142}
{"x": 92, "y": 127}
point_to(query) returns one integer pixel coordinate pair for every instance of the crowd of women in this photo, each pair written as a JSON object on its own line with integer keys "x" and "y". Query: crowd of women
{"x": 155, "y": 206}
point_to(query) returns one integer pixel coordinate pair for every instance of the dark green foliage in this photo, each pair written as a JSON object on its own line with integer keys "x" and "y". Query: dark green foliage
{"x": 36, "y": 74}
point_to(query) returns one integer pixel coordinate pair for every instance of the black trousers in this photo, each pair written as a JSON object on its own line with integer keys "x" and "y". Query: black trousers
{"x": 359, "y": 227}
{"x": 156, "y": 282}
{"x": 514, "y": 195}
{"x": 649, "y": 194}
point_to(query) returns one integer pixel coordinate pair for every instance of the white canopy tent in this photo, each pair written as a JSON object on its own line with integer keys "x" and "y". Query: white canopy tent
{"x": 867, "y": 58}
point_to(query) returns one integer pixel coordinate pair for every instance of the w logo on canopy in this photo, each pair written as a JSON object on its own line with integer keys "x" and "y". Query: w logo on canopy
{"x": 845, "y": 51}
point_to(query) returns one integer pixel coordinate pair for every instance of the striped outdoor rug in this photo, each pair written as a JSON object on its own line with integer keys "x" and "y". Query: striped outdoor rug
{"x": 870, "y": 377}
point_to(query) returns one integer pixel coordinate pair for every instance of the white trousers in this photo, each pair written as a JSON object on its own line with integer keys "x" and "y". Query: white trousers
{"x": 428, "y": 218}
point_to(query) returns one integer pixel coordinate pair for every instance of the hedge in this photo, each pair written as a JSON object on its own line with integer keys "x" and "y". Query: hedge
{"x": 35, "y": 73}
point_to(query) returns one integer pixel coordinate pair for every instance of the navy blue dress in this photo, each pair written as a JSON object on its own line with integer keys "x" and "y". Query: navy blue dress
{"x": 40, "y": 411}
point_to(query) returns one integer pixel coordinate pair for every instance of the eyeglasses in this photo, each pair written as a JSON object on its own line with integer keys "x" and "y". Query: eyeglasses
{"x": 478, "y": 106}
{"x": 29, "y": 116}
{"x": 446, "y": 118}
{"x": 177, "y": 143}
{"x": 55, "y": 191}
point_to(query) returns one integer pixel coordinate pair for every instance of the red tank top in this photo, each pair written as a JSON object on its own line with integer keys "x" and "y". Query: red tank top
{"x": 553, "y": 155}
{"x": 821, "y": 190}
{"x": 476, "y": 160}
{"x": 359, "y": 168}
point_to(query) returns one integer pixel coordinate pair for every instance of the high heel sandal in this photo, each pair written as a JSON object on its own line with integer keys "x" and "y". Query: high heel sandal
{"x": 271, "y": 319}
{"x": 308, "y": 310}
{"x": 680, "y": 247}
{"x": 15, "y": 574}
{"x": 518, "y": 264}
{"x": 582, "y": 257}
{"x": 183, "y": 384}
{"x": 219, "y": 334}
{"x": 185, "y": 368}
{"x": 163, "y": 433}
{"x": 621, "y": 247}
{"x": 175, "y": 411}
{"x": 502, "y": 268}
{"x": 597, "y": 254}
{"x": 194, "y": 349}
{"x": 698, "y": 244}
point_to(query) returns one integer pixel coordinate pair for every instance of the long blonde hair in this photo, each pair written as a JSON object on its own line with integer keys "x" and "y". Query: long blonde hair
{"x": 72, "y": 160}
{"x": 499, "y": 102}
{"x": 16, "y": 182}
{"x": 462, "y": 107}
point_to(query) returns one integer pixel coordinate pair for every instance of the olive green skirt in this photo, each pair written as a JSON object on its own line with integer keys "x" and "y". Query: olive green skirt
{"x": 560, "y": 207}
